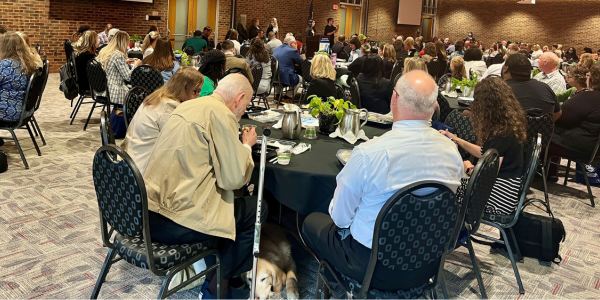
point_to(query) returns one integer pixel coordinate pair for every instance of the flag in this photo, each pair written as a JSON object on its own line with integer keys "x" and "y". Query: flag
{"x": 310, "y": 11}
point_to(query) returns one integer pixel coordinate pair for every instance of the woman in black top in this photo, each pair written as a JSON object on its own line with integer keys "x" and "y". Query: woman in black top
{"x": 241, "y": 29}
{"x": 254, "y": 28}
{"x": 577, "y": 129}
{"x": 323, "y": 77}
{"x": 375, "y": 91}
{"x": 389, "y": 59}
{"x": 570, "y": 55}
{"x": 87, "y": 51}
{"x": 499, "y": 123}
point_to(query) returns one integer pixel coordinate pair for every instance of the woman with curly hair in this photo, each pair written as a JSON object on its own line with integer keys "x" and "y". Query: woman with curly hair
{"x": 258, "y": 54}
{"x": 499, "y": 123}
{"x": 576, "y": 78}
{"x": 213, "y": 68}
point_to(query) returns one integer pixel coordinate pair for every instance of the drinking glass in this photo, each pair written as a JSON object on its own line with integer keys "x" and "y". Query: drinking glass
{"x": 311, "y": 132}
{"x": 248, "y": 127}
{"x": 284, "y": 156}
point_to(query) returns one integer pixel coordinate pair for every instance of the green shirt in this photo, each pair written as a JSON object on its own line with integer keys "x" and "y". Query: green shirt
{"x": 197, "y": 42}
{"x": 207, "y": 88}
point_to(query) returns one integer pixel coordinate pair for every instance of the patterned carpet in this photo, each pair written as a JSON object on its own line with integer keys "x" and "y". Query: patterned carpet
{"x": 51, "y": 247}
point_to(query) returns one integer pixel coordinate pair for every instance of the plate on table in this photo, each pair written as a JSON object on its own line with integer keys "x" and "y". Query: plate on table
{"x": 343, "y": 155}
{"x": 465, "y": 101}
{"x": 271, "y": 152}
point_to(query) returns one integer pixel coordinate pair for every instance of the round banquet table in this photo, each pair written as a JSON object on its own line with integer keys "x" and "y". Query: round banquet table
{"x": 307, "y": 184}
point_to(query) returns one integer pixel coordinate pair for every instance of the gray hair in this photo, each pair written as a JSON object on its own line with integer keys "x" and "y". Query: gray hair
{"x": 232, "y": 85}
{"x": 420, "y": 102}
{"x": 289, "y": 39}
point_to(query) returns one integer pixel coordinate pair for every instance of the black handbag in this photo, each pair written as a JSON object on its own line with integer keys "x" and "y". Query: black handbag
{"x": 539, "y": 236}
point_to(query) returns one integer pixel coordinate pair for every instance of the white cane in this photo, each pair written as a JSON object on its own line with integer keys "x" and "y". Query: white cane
{"x": 257, "y": 225}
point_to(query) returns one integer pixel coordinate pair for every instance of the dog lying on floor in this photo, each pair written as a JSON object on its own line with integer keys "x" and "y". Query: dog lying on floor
{"x": 276, "y": 267}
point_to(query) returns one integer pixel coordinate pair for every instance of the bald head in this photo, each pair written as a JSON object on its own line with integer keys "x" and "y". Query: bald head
{"x": 236, "y": 92}
{"x": 415, "y": 96}
{"x": 548, "y": 62}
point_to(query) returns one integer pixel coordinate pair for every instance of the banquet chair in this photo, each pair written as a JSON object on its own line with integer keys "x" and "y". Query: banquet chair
{"x": 403, "y": 240}
{"x": 189, "y": 50}
{"x": 257, "y": 71}
{"x": 306, "y": 65}
{"x": 235, "y": 70}
{"x": 34, "y": 88}
{"x": 580, "y": 164}
{"x": 444, "y": 107}
{"x": 277, "y": 82}
{"x": 340, "y": 92}
{"x": 147, "y": 77}
{"x": 34, "y": 124}
{"x": 475, "y": 198}
{"x": 123, "y": 205}
{"x": 396, "y": 70}
{"x": 436, "y": 68}
{"x": 70, "y": 58}
{"x": 106, "y": 133}
{"x": 538, "y": 122}
{"x": 134, "y": 98}
{"x": 83, "y": 91}
{"x": 442, "y": 81}
{"x": 244, "y": 50}
{"x": 98, "y": 88}
{"x": 462, "y": 129}
{"x": 355, "y": 93}
{"x": 505, "y": 223}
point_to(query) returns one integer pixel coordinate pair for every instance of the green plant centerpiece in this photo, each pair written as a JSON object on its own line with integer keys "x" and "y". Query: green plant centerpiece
{"x": 467, "y": 85}
{"x": 329, "y": 112}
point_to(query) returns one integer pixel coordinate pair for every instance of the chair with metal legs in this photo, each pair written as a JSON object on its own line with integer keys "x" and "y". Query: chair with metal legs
{"x": 505, "y": 223}
{"x": 98, "y": 88}
{"x": 134, "y": 98}
{"x": 123, "y": 205}
{"x": 539, "y": 122}
{"x": 403, "y": 240}
{"x": 34, "y": 124}
{"x": 84, "y": 91}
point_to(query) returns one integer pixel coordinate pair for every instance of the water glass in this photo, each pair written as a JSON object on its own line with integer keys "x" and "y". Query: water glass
{"x": 284, "y": 156}
{"x": 311, "y": 132}
{"x": 248, "y": 127}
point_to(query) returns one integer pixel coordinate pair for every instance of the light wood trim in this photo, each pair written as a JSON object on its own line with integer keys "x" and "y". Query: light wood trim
{"x": 171, "y": 20}
{"x": 192, "y": 15}
{"x": 212, "y": 14}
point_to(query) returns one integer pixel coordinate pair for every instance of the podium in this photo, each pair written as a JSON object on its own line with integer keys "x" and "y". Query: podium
{"x": 312, "y": 45}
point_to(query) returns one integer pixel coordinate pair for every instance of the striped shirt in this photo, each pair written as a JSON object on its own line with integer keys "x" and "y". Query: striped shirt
{"x": 553, "y": 79}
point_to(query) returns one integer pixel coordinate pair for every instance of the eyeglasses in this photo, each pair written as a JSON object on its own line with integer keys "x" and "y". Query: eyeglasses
{"x": 197, "y": 92}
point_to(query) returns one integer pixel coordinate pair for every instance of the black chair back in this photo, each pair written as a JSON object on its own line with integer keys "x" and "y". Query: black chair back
{"x": 479, "y": 188}
{"x": 539, "y": 122}
{"x": 106, "y": 133}
{"x": 306, "y": 65}
{"x": 133, "y": 100}
{"x": 189, "y": 50}
{"x": 45, "y": 73}
{"x": 256, "y": 71}
{"x": 340, "y": 92}
{"x": 69, "y": 52}
{"x": 462, "y": 128}
{"x": 98, "y": 82}
{"x": 442, "y": 81}
{"x": 436, "y": 68}
{"x": 396, "y": 70}
{"x": 147, "y": 77}
{"x": 234, "y": 70}
{"x": 412, "y": 232}
{"x": 355, "y": 93}
{"x": 274, "y": 71}
{"x": 444, "y": 107}
{"x": 244, "y": 50}
{"x": 34, "y": 90}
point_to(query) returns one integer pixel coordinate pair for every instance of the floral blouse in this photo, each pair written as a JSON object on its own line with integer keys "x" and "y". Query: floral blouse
{"x": 13, "y": 87}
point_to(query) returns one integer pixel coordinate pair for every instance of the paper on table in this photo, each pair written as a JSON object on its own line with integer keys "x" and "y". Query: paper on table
{"x": 349, "y": 136}
{"x": 281, "y": 146}
{"x": 302, "y": 147}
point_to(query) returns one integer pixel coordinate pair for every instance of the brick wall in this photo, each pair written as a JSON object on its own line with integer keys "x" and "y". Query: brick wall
{"x": 50, "y": 22}
{"x": 382, "y": 22}
{"x": 571, "y": 23}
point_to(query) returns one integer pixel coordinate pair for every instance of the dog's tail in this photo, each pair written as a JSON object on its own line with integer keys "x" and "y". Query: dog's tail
{"x": 291, "y": 285}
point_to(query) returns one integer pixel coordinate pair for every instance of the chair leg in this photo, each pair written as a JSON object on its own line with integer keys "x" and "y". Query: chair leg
{"x": 587, "y": 182}
{"x": 33, "y": 140}
{"x": 567, "y": 171}
{"x": 33, "y": 127}
{"x": 39, "y": 130}
{"x": 512, "y": 261}
{"x": 442, "y": 282}
{"x": 102, "y": 277}
{"x": 544, "y": 177}
{"x": 12, "y": 132}
{"x": 76, "y": 109}
{"x": 90, "y": 116}
{"x": 514, "y": 239}
{"x": 476, "y": 268}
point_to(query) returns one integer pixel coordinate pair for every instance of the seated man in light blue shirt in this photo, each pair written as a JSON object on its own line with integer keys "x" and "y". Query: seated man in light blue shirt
{"x": 412, "y": 151}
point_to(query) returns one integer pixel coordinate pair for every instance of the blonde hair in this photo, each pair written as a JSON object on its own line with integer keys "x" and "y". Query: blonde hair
{"x": 414, "y": 63}
{"x": 89, "y": 42}
{"x": 322, "y": 68}
{"x": 389, "y": 52}
{"x": 177, "y": 88}
{"x": 586, "y": 60}
{"x": 545, "y": 48}
{"x": 536, "y": 47}
{"x": 149, "y": 39}
{"x": 366, "y": 49}
{"x": 14, "y": 46}
{"x": 459, "y": 67}
{"x": 410, "y": 42}
{"x": 119, "y": 43}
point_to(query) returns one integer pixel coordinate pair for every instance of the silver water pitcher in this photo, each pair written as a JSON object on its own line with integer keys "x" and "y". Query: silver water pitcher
{"x": 351, "y": 121}
{"x": 292, "y": 122}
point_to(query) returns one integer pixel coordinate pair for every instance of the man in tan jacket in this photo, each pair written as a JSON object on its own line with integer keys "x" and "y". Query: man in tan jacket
{"x": 197, "y": 163}
{"x": 228, "y": 49}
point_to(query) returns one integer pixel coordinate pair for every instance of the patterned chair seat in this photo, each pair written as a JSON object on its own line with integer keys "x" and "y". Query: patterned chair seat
{"x": 165, "y": 256}
{"x": 354, "y": 287}
{"x": 499, "y": 219}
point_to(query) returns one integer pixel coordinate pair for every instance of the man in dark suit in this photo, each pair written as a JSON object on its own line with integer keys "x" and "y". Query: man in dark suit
{"x": 288, "y": 57}
{"x": 339, "y": 45}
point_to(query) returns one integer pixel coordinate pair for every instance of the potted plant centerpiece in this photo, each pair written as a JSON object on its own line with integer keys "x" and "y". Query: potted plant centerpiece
{"x": 329, "y": 112}
{"x": 467, "y": 85}
{"x": 135, "y": 41}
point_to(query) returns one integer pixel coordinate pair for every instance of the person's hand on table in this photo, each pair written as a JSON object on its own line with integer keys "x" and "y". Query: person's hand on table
{"x": 249, "y": 136}
{"x": 130, "y": 60}
{"x": 137, "y": 62}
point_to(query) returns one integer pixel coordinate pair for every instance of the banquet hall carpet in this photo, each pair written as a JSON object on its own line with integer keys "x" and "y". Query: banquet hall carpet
{"x": 51, "y": 245}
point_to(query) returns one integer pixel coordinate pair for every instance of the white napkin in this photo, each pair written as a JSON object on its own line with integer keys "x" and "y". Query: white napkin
{"x": 302, "y": 147}
{"x": 281, "y": 146}
{"x": 278, "y": 124}
{"x": 349, "y": 136}
{"x": 452, "y": 94}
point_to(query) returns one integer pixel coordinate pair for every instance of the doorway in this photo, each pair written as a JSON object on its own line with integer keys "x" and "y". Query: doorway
{"x": 349, "y": 20}
{"x": 427, "y": 27}
{"x": 187, "y": 16}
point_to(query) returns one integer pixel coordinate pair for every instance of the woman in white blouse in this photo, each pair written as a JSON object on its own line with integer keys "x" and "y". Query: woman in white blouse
{"x": 154, "y": 112}
{"x": 116, "y": 65}
{"x": 537, "y": 52}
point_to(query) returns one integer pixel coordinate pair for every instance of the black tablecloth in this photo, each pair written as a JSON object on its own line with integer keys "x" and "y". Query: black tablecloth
{"x": 307, "y": 184}
{"x": 135, "y": 54}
